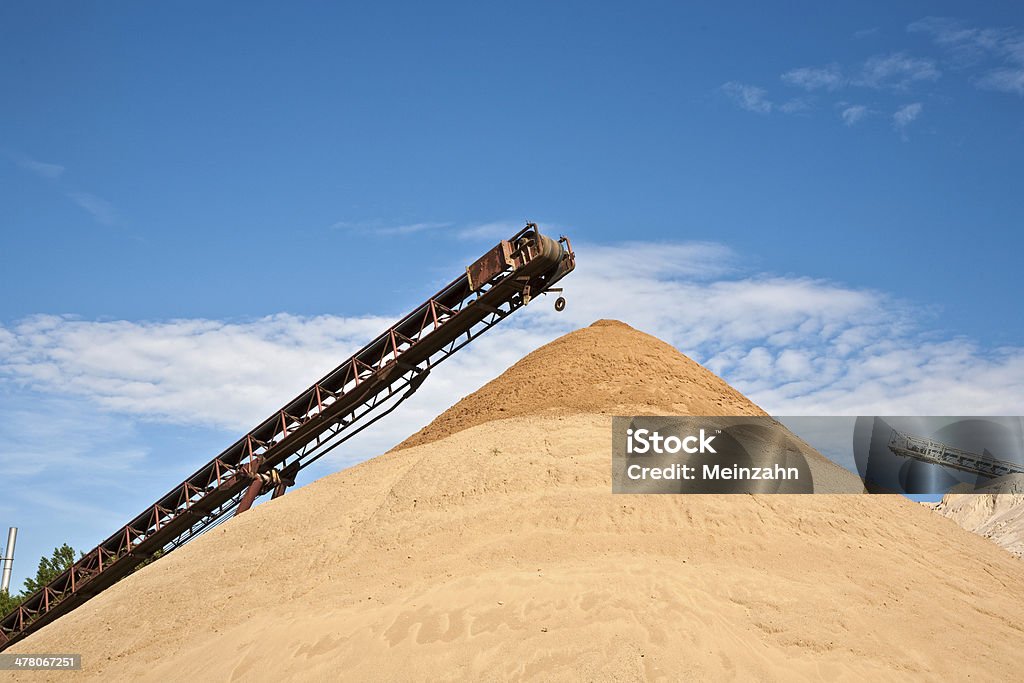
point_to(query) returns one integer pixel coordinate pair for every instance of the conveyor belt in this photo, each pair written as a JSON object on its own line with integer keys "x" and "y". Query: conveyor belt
{"x": 371, "y": 382}
{"x": 938, "y": 453}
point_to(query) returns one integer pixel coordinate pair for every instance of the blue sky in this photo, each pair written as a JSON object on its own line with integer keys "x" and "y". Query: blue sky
{"x": 205, "y": 206}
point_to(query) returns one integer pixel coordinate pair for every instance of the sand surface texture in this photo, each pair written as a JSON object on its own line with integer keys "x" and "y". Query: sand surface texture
{"x": 495, "y": 550}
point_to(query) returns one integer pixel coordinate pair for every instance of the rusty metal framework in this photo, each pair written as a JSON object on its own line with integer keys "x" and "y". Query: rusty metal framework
{"x": 383, "y": 373}
{"x": 937, "y": 453}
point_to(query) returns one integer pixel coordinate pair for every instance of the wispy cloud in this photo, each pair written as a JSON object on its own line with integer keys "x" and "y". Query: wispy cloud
{"x": 895, "y": 71}
{"x": 853, "y": 114}
{"x": 755, "y": 98}
{"x": 489, "y": 231}
{"x": 972, "y": 46}
{"x": 696, "y": 261}
{"x": 969, "y": 44}
{"x": 1004, "y": 80}
{"x": 72, "y": 472}
{"x": 387, "y": 229}
{"x": 794, "y": 105}
{"x": 411, "y": 228}
{"x": 495, "y": 230}
{"x": 179, "y": 370}
{"x": 993, "y": 59}
{"x": 749, "y": 97}
{"x": 898, "y": 71}
{"x": 100, "y": 209}
{"x": 906, "y": 115}
{"x": 828, "y": 77}
{"x": 794, "y": 344}
{"x": 40, "y": 168}
{"x": 30, "y": 428}
{"x": 65, "y": 509}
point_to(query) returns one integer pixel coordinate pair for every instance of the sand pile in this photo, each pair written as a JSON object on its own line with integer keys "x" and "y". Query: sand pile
{"x": 608, "y": 368}
{"x": 497, "y": 551}
{"x": 995, "y": 512}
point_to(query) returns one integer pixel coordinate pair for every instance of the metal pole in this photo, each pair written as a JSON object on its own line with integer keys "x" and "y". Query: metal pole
{"x": 5, "y": 581}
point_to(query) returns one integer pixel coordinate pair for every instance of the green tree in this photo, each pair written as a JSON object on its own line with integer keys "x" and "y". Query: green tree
{"x": 8, "y": 603}
{"x": 50, "y": 568}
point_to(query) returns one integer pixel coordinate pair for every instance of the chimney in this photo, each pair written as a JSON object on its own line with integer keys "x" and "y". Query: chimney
{"x": 8, "y": 558}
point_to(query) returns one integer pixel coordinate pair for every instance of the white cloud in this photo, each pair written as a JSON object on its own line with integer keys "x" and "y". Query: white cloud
{"x": 897, "y": 71}
{"x": 478, "y": 233}
{"x": 74, "y": 473}
{"x": 854, "y": 114}
{"x": 749, "y": 97}
{"x": 906, "y": 115}
{"x": 804, "y": 346}
{"x": 388, "y": 230}
{"x": 795, "y": 105}
{"x": 30, "y": 429}
{"x": 972, "y": 46}
{"x": 755, "y": 99}
{"x": 410, "y": 228}
{"x": 496, "y": 230}
{"x": 1004, "y": 80}
{"x": 692, "y": 260}
{"x": 489, "y": 231}
{"x": 969, "y": 44}
{"x": 41, "y": 169}
{"x": 795, "y": 345}
{"x": 815, "y": 78}
{"x": 209, "y": 372}
{"x": 100, "y": 209}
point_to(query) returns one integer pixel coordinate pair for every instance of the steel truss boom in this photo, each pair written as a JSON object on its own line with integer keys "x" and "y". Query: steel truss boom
{"x": 373, "y": 381}
{"x": 938, "y": 453}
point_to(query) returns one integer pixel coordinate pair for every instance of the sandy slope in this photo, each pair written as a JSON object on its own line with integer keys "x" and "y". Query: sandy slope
{"x": 608, "y": 368}
{"x": 995, "y": 512}
{"x": 497, "y": 551}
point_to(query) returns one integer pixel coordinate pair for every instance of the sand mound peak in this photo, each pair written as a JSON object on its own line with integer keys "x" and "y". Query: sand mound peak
{"x": 608, "y": 368}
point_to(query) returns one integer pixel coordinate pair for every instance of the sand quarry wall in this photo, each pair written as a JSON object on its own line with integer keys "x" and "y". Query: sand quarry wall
{"x": 490, "y": 547}
{"x": 995, "y": 512}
